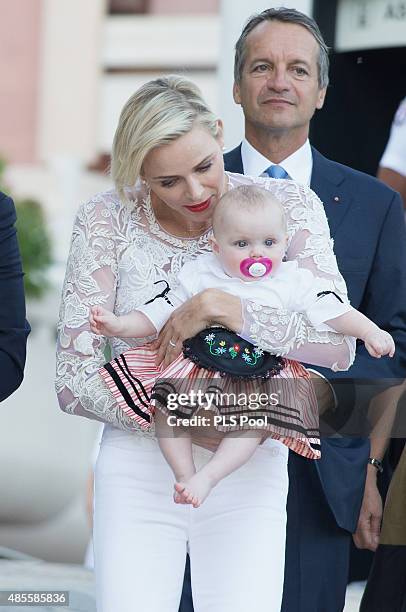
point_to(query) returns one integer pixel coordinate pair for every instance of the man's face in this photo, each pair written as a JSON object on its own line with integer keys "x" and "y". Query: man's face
{"x": 279, "y": 89}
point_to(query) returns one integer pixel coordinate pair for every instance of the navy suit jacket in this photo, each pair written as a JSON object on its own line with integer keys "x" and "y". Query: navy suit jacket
{"x": 367, "y": 223}
{"x": 14, "y": 329}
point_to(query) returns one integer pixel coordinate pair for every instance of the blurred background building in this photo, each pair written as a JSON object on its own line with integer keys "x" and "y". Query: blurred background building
{"x": 68, "y": 67}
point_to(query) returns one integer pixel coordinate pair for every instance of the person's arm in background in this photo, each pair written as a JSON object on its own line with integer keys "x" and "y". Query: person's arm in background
{"x": 394, "y": 179}
{"x": 382, "y": 412}
{"x": 14, "y": 329}
{"x": 392, "y": 167}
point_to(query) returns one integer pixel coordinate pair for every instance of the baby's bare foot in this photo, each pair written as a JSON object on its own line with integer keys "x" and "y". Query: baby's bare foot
{"x": 195, "y": 490}
{"x": 180, "y": 478}
{"x": 178, "y": 493}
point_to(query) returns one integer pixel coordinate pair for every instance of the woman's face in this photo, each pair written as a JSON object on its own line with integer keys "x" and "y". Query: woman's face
{"x": 188, "y": 173}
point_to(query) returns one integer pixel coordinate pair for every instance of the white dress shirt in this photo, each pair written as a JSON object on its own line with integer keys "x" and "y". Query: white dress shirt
{"x": 299, "y": 165}
{"x": 394, "y": 156}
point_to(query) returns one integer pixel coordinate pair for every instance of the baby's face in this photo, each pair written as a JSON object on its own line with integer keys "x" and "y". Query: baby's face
{"x": 242, "y": 237}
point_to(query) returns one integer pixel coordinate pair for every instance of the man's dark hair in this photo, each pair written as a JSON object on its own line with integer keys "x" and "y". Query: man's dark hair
{"x": 284, "y": 15}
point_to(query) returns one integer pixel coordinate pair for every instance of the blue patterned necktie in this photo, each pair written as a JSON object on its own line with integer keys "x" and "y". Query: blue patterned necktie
{"x": 277, "y": 172}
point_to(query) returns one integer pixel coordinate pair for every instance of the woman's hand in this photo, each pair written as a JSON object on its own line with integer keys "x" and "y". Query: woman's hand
{"x": 206, "y": 308}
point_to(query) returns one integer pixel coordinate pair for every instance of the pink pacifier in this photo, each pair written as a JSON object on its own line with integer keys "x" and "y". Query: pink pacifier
{"x": 255, "y": 268}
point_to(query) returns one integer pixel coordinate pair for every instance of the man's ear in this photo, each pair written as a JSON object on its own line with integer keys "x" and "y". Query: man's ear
{"x": 214, "y": 244}
{"x": 321, "y": 97}
{"x": 236, "y": 93}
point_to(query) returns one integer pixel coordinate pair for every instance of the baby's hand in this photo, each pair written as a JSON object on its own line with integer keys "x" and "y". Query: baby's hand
{"x": 379, "y": 343}
{"x": 103, "y": 322}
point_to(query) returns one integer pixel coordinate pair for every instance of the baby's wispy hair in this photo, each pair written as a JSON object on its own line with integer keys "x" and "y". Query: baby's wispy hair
{"x": 247, "y": 198}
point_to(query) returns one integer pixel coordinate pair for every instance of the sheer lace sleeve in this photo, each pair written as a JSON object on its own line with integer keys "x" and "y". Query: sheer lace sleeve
{"x": 91, "y": 278}
{"x": 290, "y": 333}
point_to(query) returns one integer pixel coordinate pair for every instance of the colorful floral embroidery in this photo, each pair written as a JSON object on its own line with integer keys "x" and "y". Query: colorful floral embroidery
{"x": 250, "y": 357}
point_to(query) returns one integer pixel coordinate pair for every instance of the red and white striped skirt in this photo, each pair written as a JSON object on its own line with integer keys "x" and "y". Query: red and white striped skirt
{"x": 283, "y": 406}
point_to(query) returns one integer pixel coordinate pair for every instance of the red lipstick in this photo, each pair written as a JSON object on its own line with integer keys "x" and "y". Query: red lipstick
{"x": 199, "y": 207}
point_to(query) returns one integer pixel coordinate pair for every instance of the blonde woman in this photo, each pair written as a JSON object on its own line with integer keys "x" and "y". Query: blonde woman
{"x": 168, "y": 169}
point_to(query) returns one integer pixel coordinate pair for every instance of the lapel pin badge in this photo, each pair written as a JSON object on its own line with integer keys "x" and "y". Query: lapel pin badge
{"x": 336, "y": 199}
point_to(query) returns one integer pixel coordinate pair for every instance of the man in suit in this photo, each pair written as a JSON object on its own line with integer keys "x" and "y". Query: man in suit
{"x": 281, "y": 77}
{"x": 13, "y": 327}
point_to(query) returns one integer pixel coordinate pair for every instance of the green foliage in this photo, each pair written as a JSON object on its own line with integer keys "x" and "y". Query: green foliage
{"x": 35, "y": 246}
{"x": 34, "y": 241}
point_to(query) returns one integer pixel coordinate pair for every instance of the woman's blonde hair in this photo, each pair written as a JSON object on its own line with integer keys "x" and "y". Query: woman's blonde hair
{"x": 158, "y": 113}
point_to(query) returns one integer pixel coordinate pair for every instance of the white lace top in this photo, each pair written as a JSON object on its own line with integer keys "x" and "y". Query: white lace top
{"x": 119, "y": 250}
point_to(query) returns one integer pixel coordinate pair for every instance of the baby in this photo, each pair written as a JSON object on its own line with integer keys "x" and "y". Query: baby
{"x": 249, "y": 244}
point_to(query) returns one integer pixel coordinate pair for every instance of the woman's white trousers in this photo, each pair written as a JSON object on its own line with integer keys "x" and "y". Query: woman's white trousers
{"x": 236, "y": 539}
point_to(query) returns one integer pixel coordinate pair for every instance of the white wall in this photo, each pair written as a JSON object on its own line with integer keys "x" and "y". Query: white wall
{"x": 148, "y": 46}
{"x": 70, "y": 59}
{"x": 234, "y": 14}
{"x": 160, "y": 41}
